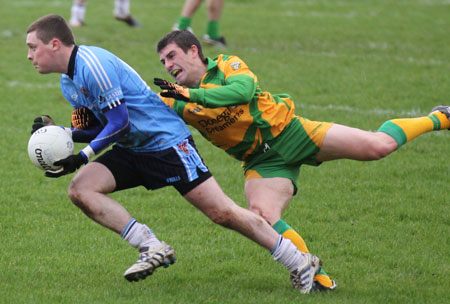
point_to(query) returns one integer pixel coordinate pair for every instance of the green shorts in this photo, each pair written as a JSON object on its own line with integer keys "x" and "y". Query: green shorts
{"x": 282, "y": 156}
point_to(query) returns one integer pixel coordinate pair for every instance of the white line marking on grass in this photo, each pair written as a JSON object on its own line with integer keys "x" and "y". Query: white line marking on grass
{"x": 332, "y": 3}
{"x": 375, "y": 111}
{"x": 417, "y": 61}
{"x": 346, "y": 15}
{"x": 431, "y": 2}
{"x": 372, "y": 45}
{"x": 38, "y": 3}
{"x": 7, "y": 33}
{"x": 19, "y": 84}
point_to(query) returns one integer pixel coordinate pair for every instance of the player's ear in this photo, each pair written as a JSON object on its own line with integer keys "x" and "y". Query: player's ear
{"x": 55, "y": 44}
{"x": 194, "y": 50}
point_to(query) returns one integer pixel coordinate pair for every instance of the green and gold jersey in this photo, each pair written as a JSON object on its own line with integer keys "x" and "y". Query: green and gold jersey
{"x": 230, "y": 110}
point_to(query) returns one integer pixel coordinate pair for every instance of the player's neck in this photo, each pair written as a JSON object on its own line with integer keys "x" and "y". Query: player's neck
{"x": 200, "y": 71}
{"x": 64, "y": 59}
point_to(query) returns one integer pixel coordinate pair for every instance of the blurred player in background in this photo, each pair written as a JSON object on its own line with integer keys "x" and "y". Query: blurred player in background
{"x": 222, "y": 99}
{"x": 121, "y": 13}
{"x": 214, "y": 12}
{"x": 152, "y": 148}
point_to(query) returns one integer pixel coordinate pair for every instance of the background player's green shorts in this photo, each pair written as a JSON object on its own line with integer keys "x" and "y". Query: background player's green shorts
{"x": 282, "y": 157}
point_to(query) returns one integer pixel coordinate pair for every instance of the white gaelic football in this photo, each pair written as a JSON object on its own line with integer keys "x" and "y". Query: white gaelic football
{"x": 49, "y": 144}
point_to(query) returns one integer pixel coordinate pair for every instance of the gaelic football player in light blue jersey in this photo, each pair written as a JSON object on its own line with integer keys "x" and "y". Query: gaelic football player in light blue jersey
{"x": 105, "y": 84}
{"x": 152, "y": 147}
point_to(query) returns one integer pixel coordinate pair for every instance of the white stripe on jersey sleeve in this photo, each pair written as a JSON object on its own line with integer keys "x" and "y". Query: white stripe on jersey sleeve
{"x": 93, "y": 72}
{"x": 95, "y": 58}
{"x": 94, "y": 68}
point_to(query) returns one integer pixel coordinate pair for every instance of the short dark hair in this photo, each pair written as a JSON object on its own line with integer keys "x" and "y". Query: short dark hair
{"x": 52, "y": 26}
{"x": 184, "y": 39}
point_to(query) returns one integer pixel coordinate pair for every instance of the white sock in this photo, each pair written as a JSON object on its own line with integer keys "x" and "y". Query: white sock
{"x": 77, "y": 12}
{"x": 122, "y": 8}
{"x": 288, "y": 254}
{"x": 139, "y": 235}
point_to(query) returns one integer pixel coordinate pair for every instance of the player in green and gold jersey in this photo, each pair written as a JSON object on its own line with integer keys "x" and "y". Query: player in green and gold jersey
{"x": 222, "y": 99}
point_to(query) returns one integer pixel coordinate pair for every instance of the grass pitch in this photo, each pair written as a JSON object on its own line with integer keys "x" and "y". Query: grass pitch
{"x": 381, "y": 228}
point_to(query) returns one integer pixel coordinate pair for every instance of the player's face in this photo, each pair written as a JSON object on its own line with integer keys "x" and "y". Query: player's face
{"x": 185, "y": 68}
{"x": 40, "y": 54}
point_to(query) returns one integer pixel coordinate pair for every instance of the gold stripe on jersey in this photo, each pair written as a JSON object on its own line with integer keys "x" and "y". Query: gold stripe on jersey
{"x": 231, "y": 111}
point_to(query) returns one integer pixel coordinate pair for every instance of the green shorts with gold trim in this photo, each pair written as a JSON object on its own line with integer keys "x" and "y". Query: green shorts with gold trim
{"x": 283, "y": 156}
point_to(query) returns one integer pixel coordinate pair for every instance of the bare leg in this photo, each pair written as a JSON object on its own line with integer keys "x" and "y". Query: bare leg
{"x": 209, "y": 198}
{"x": 268, "y": 197}
{"x": 190, "y": 7}
{"x": 77, "y": 13}
{"x": 88, "y": 191}
{"x": 346, "y": 142}
{"x": 214, "y": 9}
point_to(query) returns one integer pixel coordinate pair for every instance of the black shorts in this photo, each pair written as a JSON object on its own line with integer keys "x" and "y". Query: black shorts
{"x": 180, "y": 166}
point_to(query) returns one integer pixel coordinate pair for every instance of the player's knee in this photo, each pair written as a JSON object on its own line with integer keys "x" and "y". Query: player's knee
{"x": 77, "y": 195}
{"x": 261, "y": 212}
{"x": 379, "y": 150}
{"x": 377, "y": 146}
{"x": 255, "y": 209}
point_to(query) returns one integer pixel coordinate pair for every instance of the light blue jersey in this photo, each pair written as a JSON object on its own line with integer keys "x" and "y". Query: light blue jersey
{"x": 100, "y": 81}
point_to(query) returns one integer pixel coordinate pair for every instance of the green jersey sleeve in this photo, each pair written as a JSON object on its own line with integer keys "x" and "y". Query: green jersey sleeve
{"x": 229, "y": 83}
